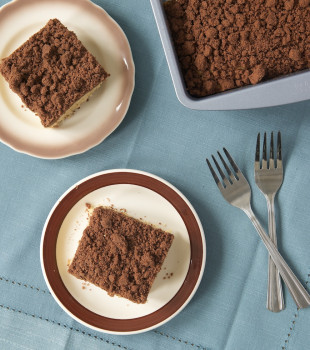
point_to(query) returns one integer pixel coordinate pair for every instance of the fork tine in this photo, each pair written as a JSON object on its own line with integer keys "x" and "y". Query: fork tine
{"x": 232, "y": 162}
{"x": 231, "y": 175}
{"x": 216, "y": 179}
{"x": 257, "y": 161}
{"x": 264, "y": 160}
{"x": 271, "y": 155}
{"x": 279, "y": 151}
{"x": 219, "y": 168}
{"x": 225, "y": 180}
{"x": 239, "y": 175}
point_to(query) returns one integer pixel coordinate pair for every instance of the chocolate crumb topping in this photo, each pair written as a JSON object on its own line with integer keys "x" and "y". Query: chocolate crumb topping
{"x": 226, "y": 44}
{"x": 51, "y": 71}
{"x": 120, "y": 254}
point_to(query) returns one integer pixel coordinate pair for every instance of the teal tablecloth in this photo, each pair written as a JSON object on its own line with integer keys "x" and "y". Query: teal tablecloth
{"x": 161, "y": 136}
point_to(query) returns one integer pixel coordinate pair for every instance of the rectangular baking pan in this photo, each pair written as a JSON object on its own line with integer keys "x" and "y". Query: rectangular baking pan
{"x": 283, "y": 90}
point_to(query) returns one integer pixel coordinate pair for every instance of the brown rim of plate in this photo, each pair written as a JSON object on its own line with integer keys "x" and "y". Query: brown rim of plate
{"x": 50, "y": 264}
{"x": 103, "y": 131}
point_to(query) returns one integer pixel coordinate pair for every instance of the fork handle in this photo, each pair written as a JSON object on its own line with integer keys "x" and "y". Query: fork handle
{"x": 275, "y": 300}
{"x": 297, "y": 290}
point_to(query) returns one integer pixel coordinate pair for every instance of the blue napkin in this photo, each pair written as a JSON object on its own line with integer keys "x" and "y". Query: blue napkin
{"x": 161, "y": 136}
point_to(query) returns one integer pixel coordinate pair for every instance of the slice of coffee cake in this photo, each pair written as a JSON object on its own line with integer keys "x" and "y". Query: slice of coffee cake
{"x": 120, "y": 254}
{"x": 53, "y": 73}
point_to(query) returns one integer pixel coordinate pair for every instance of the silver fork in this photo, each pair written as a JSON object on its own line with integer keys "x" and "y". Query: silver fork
{"x": 269, "y": 178}
{"x": 236, "y": 190}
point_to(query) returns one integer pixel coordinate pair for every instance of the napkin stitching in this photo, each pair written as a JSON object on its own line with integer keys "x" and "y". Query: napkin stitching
{"x": 64, "y": 326}
{"x": 293, "y": 322}
{"x": 179, "y": 340}
{"x": 45, "y": 291}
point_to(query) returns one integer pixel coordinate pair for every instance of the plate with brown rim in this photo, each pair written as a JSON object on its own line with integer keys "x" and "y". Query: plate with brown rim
{"x": 146, "y": 197}
{"x": 20, "y": 128}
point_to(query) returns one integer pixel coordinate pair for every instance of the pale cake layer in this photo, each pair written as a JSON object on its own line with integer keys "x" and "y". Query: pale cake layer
{"x": 74, "y": 107}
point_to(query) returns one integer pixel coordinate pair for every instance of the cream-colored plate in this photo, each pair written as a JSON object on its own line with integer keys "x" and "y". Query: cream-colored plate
{"x": 20, "y": 128}
{"x": 141, "y": 203}
{"x": 143, "y": 196}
